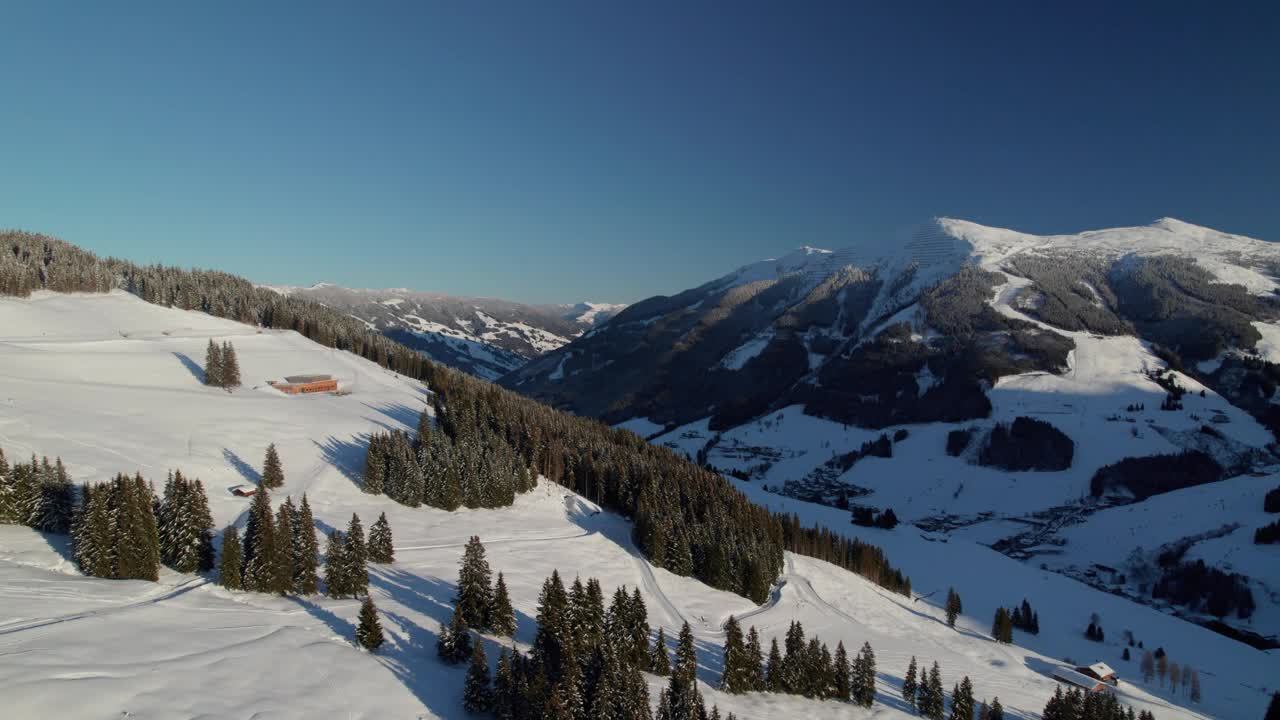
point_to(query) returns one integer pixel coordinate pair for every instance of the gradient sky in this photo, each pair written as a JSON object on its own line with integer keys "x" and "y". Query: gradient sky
{"x": 554, "y": 152}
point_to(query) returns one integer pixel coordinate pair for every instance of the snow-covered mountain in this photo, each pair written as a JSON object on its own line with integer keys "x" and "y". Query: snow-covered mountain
{"x": 111, "y": 383}
{"x": 1011, "y": 389}
{"x": 486, "y": 337}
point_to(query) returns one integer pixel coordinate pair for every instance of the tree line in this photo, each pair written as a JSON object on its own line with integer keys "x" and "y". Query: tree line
{"x": 38, "y": 494}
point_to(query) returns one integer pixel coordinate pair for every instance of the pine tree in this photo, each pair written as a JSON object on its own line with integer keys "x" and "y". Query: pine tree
{"x": 453, "y": 645}
{"x": 843, "y": 681}
{"x": 230, "y": 366}
{"x": 1195, "y": 686}
{"x": 375, "y": 467}
{"x": 931, "y": 702}
{"x": 474, "y": 586}
{"x": 213, "y": 365}
{"x": 736, "y": 676}
{"x": 229, "y": 568}
{"x": 637, "y": 626}
{"x": 909, "y": 686}
{"x": 962, "y": 700}
{"x": 57, "y": 499}
{"x": 1002, "y": 626}
{"x": 755, "y": 658}
{"x": 954, "y": 607}
{"x": 369, "y": 633}
{"x": 356, "y": 555}
{"x": 283, "y": 570}
{"x": 774, "y": 681}
{"x": 336, "y": 582}
{"x": 793, "y": 670}
{"x": 683, "y": 698}
{"x": 260, "y": 545}
{"x": 553, "y": 633}
{"x": 504, "y": 690}
{"x": 305, "y": 551}
{"x": 997, "y": 710}
{"x": 8, "y": 499}
{"x": 659, "y": 661}
{"x": 1147, "y": 666}
{"x": 272, "y": 471}
{"x": 381, "y": 549}
{"x": 26, "y": 493}
{"x": 1273, "y": 709}
{"x": 477, "y": 694}
{"x": 502, "y": 617}
{"x": 864, "y": 679}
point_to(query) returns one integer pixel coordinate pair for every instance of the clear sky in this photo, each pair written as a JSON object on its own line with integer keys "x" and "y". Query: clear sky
{"x": 553, "y": 151}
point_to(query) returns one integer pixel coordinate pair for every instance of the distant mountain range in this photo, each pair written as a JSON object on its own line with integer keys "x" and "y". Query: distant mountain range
{"x": 1102, "y": 404}
{"x": 909, "y": 333}
{"x": 486, "y": 337}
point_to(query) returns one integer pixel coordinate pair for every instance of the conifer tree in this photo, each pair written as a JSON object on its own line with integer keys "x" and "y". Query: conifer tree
{"x": 736, "y": 676}
{"x": 931, "y": 701}
{"x": 1002, "y": 627}
{"x": 1273, "y": 709}
{"x": 282, "y": 581}
{"x": 556, "y": 708}
{"x": 962, "y": 700}
{"x": 864, "y": 677}
{"x": 230, "y": 565}
{"x": 8, "y": 499}
{"x": 26, "y": 493}
{"x": 909, "y": 686}
{"x": 774, "y": 681}
{"x": 272, "y": 471}
{"x": 843, "y": 686}
{"x": 502, "y": 617}
{"x": 305, "y": 551}
{"x": 260, "y": 545}
{"x": 230, "y": 366}
{"x": 381, "y": 549}
{"x": 1195, "y": 686}
{"x": 375, "y": 468}
{"x": 683, "y": 699}
{"x": 659, "y": 660}
{"x": 553, "y": 627}
{"x": 57, "y": 499}
{"x": 793, "y": 665}
{"x": 453, "y": 644}
{"x": 477, "y": 694}
{"x": 954, "y": 606}
{"x": 637, "y": 628}
{"x": 369, "y": 633}
{"x": 755, "y": 658}
{"x": 336, "y": 582}
{"x": 213, "y": 365}
{"x": 474, "y": 586}
{"x": 997, "y": 710}
{"x": 504, "y": 695}
{"x": 356, "y": 555}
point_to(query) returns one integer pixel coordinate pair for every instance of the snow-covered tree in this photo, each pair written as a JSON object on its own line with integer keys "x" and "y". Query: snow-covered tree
{"x": 272, "y": 470}
{"x": 369, "y": 632}
{"x": 477, "y": 693}
{"x": 381, "y": 548}
{"x": 502, "y": 617}
{"x": 230, "y": 564}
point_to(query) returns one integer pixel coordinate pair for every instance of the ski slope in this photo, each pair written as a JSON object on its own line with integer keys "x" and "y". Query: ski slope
{"x": 112, "y": 384}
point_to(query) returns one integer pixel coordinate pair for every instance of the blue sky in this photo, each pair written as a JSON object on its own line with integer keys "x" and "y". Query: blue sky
{"x": 608, "y": 151}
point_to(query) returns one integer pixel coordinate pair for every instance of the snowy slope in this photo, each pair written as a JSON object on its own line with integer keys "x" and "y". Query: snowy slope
{"x": 111, "y": 384}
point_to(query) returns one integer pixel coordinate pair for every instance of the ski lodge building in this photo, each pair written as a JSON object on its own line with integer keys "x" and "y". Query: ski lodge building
{"x": 1079, "y": 679}
{"x": 300, "y": 384}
